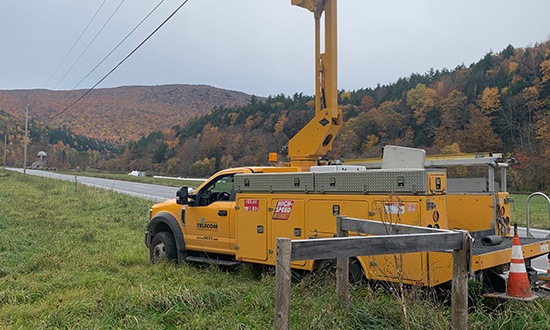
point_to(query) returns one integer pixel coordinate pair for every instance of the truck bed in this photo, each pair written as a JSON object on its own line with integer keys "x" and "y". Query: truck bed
{"x": 484, "y": 256}
{"x": 479, "y": 249}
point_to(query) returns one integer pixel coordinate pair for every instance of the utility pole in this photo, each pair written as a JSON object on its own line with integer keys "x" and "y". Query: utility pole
{"x": 5, "y": 148}
{"x": 26, "y": 133}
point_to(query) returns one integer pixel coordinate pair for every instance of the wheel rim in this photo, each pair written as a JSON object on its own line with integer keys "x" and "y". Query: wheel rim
{"x": 159, "y": 252}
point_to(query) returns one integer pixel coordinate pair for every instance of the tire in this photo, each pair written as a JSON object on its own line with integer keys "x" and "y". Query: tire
{"x": 163, "y": 247}
{"x": 356, "y": 275}
{"x": 327, "y": 269}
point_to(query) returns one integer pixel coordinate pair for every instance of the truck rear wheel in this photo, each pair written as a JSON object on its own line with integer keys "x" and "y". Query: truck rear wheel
{"x": 356, "y": 275}
{"x": 327, "y": 267}
{"x": 163, "y": 247}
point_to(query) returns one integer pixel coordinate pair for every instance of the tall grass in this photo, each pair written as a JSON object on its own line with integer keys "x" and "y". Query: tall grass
{"x": 77, "y": 260}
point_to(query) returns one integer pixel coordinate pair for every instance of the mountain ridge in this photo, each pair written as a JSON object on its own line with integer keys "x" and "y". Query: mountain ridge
{"x": 120, "y": 114}
{"x": 500, "y": 103}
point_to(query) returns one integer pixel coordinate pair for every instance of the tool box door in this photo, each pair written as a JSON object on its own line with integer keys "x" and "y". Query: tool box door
{"x": 251, "y": 229}
{"x": 287, "y": 220}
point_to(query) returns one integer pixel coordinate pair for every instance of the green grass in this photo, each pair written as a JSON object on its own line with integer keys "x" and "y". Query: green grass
{"x": 76, "y": 260}
{"x": 538, "y": 215}
{"x": 141, "y": 179}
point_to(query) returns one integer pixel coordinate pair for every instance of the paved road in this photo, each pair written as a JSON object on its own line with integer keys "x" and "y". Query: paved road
{"x": 151, "y": 192}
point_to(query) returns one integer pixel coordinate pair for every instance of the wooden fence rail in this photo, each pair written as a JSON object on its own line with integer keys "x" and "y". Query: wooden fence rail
{"x": 397, "y": 239}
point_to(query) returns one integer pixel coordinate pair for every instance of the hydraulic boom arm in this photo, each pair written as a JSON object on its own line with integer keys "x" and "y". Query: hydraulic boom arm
{"x": 315, "y": 139}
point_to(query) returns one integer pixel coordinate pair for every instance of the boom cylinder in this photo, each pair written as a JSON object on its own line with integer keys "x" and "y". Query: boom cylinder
{"x": 315, "y": 139}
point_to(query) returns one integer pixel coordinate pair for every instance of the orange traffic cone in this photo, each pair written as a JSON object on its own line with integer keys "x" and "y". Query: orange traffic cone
{"x": 518, "y": 282}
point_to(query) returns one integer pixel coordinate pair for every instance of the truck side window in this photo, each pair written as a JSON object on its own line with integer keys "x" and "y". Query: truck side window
{"x": 220, "y": 189}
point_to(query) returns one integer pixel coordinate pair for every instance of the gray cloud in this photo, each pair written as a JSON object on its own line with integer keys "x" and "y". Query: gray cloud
{"x": 261, "y": 47}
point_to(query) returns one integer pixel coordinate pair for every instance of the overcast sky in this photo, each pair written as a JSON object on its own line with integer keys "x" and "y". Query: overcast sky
{"x": 262, "y": 47}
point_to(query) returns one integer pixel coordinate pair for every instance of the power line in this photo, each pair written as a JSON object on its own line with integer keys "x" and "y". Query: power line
{"x": 120, "y": 43}
{"x": 74, "y": 44}
{"x": 123, "y": 60}
{"x": 77, "y": 40}
{"x": 84, "y": 51}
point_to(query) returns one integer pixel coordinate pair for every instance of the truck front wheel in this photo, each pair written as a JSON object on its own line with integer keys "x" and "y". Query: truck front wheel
{"x": 163, "y": 247}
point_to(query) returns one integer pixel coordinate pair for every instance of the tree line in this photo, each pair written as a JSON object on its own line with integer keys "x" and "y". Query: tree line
{"x": 498, "y": 104}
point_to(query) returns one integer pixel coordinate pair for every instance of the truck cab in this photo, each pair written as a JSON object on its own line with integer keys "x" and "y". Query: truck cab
{"x": 200, "y": 223}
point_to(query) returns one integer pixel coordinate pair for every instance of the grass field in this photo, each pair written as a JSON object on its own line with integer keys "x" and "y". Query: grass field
{"x": 77, "y": 260}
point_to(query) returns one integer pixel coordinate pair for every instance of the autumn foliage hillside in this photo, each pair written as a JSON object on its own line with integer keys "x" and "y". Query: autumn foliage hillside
{"x": 119, "y": 115}
{"x": 500, "y": 104}
{"x": 64, "y": 148}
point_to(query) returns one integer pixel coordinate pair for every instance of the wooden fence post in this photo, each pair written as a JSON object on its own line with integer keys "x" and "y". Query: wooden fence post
{"x": 282, "y": 284}
{"x": 341, "y": 248}
{"x": 342, "y": 269}
{"x": 459, "y": 298}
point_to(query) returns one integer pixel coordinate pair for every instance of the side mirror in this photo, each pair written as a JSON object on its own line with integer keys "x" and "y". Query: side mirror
{"x": 182, "y": 196}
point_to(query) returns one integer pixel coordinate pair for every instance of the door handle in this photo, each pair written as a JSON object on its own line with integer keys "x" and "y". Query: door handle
{"x": 222, "y": 213}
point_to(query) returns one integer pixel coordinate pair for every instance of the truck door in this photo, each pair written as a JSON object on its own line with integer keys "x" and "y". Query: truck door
{"x": 208, "y": 218}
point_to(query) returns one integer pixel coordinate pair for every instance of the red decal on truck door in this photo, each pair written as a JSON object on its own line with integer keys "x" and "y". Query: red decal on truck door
{"x": 282, "y": 210}
{"x": 252, "y": 205}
